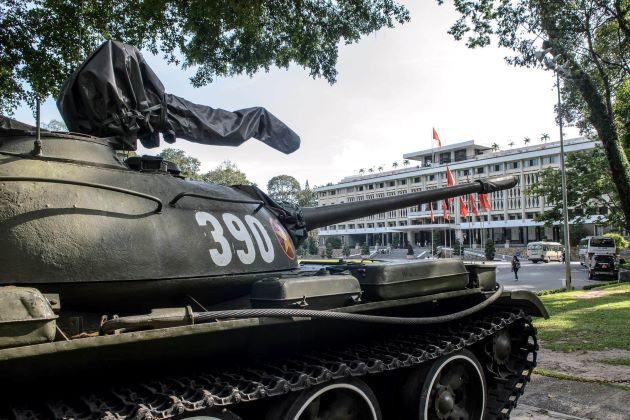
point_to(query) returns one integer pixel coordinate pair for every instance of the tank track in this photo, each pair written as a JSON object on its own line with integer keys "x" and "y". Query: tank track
{"x": 173, "y": 397}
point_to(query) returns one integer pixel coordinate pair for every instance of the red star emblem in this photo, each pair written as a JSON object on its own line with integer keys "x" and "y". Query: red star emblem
{"x": 283, "y": 239}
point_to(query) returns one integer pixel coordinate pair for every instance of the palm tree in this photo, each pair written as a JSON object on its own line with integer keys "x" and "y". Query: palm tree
{"x": 380, "y": 169}
{"x": 395, "y": 165}
{"x": 361, "y": 171}
{"x": 544, "y": 137}
{"x": 527, "y": 140}
{"x": 511, "y": 144}
{"x": 406, "y": 162}
{"x": 371, "y": 170}
{"x": 494, "y": 147}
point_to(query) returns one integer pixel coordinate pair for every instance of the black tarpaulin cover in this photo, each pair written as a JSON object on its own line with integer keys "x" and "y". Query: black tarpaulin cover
{"x": 115, "y": 93}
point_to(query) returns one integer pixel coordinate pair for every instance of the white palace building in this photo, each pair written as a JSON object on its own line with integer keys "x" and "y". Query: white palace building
{"x": 509, "y": 223}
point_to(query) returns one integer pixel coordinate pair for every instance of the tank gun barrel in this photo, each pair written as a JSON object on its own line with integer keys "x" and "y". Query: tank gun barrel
{"x": 316, "y": 217}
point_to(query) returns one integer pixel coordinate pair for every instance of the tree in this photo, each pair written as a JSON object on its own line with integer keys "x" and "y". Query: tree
{"x": 371, "y": 170}
{"x": 590, "y": 190}
{"x": 365, "y": 249}
{"x": 43, "y": 41}
{"x": 589, "y": 41}
{"x": 511, "y": 144}
{"x": 361, "y": 171}
{"x": 494, "y": 147}
{"x": 227, "y": 173}
{"x": 55, "y": 125}
{"x": 526, "y": 141}
{"x": 307, "y": 197}
{"x": 284, "y": 189}
{"x": 395, "y": 165}
{"x": 187, "y": 164}
{"x": 544, "y": 137}
{"x": 489, "y": 250}
{"x": 620, "y": 241}
{"x": 380, "y": 169}
{"x": 406, "y": 162}
{"x": 335, "y": 241}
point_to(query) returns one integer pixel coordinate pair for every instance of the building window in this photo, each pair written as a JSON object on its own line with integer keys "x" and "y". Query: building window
{"x": 548, "y": 160}
{"x": 416, "y": 179}
{"x": 402, "y": 182}
{"x": 445, "y": 157}
{"x": 531, "y": 162}
{"x": 371, "y": 187}
{"x": 460, "y": 155}
{"x": 496, "y": 168}
{"x": 513, "y": 165}
{"x": 360, "y": 188}
{"x": 391, "y": 184}
{"x": 480, "y": 170}
{"x": 332, "y": 192}
{"x": 431, "y": 177}
{"x": 381, "y": 184}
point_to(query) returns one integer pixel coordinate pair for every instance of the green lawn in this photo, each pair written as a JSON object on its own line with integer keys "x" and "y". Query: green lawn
{"x": 596, "y": 319}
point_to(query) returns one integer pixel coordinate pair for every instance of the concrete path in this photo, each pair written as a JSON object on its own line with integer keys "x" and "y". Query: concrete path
{"x": 527, "y": 412}
{"x": 583, "y": 400}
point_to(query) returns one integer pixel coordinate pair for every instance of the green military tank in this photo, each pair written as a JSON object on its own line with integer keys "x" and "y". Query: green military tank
{"x": 130, "y": 292}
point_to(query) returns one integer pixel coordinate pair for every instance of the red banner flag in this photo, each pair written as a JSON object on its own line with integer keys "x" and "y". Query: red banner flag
{"x": 445, "y": 209}
{"x": 463, "y": 211}
{"x": 436, "y": 138}
{"x": 484, "y": 202}
{"x": 432, "y": 215}
{"x": 473, "y": 206}
{"x": 450, "y": 182}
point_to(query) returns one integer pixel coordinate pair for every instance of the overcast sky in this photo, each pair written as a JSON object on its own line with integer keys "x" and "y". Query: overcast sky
{"x": 392, "y": 88}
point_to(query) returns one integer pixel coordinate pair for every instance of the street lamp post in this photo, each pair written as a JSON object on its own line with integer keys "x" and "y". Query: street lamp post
{"x": 551, "y": 64}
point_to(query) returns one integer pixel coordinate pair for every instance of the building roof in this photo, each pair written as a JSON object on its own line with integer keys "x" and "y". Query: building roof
{"x": 447, "y": 147}
{"x": 485, "y": 158}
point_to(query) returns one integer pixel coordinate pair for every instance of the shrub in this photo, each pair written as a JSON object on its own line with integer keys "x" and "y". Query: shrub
{"x": 329, "y": 250}
{"x": 410, "y": 250}
{"x": 365, "y": 249}
{"x": 458, "y": 249}
{"x": 490, "y": 250}
{"x": 312, "y": 246}
{"x": 346, "y": 251}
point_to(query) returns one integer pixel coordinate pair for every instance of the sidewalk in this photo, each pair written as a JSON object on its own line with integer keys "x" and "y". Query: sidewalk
{"x": 555, "y": 398}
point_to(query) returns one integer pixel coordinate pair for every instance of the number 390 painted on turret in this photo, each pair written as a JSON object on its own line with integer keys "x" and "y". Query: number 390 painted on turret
{"x": 222, "y": 255}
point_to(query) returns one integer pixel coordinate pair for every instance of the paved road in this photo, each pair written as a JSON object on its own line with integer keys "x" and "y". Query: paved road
{"x": 543, "y": 276}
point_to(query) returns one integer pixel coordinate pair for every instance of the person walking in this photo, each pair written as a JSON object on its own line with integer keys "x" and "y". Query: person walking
{"x": 516, "y": 264}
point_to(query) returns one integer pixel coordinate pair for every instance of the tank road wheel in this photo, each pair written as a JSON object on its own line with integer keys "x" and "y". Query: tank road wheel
{"x": 348, "y": 399}
{"x": 452, "y": 387}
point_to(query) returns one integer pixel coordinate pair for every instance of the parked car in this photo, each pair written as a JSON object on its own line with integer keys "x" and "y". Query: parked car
{"x": 603, "y": 265}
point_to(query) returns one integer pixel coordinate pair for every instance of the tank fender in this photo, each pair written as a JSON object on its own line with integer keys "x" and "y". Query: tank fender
{"x": 525, "y": 300}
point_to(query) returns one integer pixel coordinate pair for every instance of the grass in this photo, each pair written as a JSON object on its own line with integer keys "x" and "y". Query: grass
{"x": 616, "y": 361}
{"x": 597, "y": 319}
